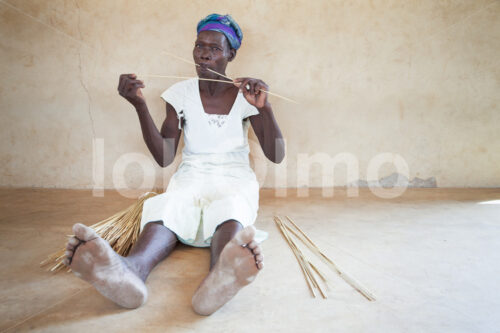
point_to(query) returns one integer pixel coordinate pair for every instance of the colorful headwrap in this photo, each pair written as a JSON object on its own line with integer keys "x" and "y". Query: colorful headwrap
{"x": 225, "y": 24}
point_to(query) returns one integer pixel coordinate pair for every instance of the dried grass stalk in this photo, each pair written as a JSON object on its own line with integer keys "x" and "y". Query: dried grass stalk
{"x": 306, "y": 265}
{"x": 293, "y": 247}
{"x": 350, "y": 280}
{"x": 120, "y": 230}
{"x": 303, "y": 262}
{"x": 227, "y": 77}
{"x": 319, "y": 273}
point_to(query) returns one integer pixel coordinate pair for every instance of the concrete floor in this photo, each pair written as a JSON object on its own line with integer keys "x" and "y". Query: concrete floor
{"x": 431, "y": 257}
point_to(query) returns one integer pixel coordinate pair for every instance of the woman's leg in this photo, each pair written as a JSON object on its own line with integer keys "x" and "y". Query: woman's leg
{"x": 155, "y": 243}
{"x": 223, "y": 234}
{"x": 236, "y": 264}
{"x": 120, "y": 279}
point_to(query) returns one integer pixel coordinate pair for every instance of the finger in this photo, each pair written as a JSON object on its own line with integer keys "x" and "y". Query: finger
{"x": 129, "y": 79}
{"x": 248, "y": 87}
{"x": 126, "y": 78}
{"x": 133, "y": 84}
{"x": 261, "y": 98}
{"x": 265, "y": 89}
{"x": 243, "y": 83}
{"x": 262, "y": 87}
{"x": 132, "y": 90}
{"x": 139, "y": 85}
{"x": 123, "y": 81}
{"x": 259, "y": 95}
{"x": 127, "y": 82}
{"x": 239, "y": 82}
{"x": 243, "y": 86}
{"x": 252, "y": 87}
{"x": 128, "y": 87}
{"x": 259, "y": 85}
{"x": 120, "y": 79}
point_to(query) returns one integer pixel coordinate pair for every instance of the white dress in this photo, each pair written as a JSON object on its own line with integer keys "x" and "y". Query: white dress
{"x": 214, "y": 182}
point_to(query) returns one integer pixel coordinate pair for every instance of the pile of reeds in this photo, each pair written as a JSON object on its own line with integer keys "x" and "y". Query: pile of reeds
{"x": 121, "y": 231}
{"x": 307, "y": 267}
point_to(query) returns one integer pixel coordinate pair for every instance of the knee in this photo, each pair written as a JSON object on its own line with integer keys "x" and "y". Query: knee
{"x": 152, "y": 224}
{"x": 230, "y": 225}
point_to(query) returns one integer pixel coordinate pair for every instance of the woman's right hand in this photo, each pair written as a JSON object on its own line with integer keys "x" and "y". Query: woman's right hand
{"x": 130, "y": 88}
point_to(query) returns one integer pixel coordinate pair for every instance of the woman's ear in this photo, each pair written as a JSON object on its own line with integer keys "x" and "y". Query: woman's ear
{"x": 232, "y": 54}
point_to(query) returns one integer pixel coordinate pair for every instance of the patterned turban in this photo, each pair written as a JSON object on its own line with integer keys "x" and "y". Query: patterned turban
{"x": 224, "y": 24}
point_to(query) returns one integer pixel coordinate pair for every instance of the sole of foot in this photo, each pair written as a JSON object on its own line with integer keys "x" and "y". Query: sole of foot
{"x": 238, "y": 265}
{"x": 92, "y": 259}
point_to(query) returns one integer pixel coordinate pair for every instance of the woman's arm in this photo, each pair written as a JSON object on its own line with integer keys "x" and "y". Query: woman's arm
{"x": 269, "y": 134}
{"x": 163, "y": 146}
{"x": 264, "y": 124}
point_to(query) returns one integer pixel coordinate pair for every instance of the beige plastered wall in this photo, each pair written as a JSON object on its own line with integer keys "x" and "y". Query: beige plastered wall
{"x": 418, "y": 80}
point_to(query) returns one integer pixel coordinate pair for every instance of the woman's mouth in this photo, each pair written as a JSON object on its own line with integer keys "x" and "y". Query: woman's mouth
{"x": 203, "y": 67}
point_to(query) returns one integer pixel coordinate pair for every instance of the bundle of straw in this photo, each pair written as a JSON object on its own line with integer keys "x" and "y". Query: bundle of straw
{"x": 307, "y": 267}
{"x": 121, "y": 231}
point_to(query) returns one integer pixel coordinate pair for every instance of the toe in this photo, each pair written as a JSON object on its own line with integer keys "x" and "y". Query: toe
{"x": 73, "y": 241}
{"x": 259, "y": 258}
{"x": 257, "y": 250}
{"x": 252, "y": 245}
{"x": 246, "y": 235}
{"x": 68, "y": 254}
{"x": 65, "y": 261}
{"x": 84, "y": 233}
{"x": 260, "y": 265}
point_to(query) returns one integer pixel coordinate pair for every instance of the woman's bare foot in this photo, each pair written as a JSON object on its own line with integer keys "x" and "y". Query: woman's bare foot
{"x": 92, "y": 259}
{"x": 238, "y": 265}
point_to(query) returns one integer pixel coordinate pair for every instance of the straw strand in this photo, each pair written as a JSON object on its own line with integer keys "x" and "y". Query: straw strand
{"x": 227, "y": 77}
{"x": 350, "y": 280}
{"x": 300, "y": 235}
{"x": 306, "y": 263}
{"x": 301, "y": 264}
{"x": 183, "y": 77}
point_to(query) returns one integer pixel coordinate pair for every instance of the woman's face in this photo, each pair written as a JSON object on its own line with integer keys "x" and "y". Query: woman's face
{"x": 212, "y": 50}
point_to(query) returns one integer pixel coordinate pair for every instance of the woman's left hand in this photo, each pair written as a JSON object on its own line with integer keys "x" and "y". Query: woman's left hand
{"x": 251, "y": 90}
